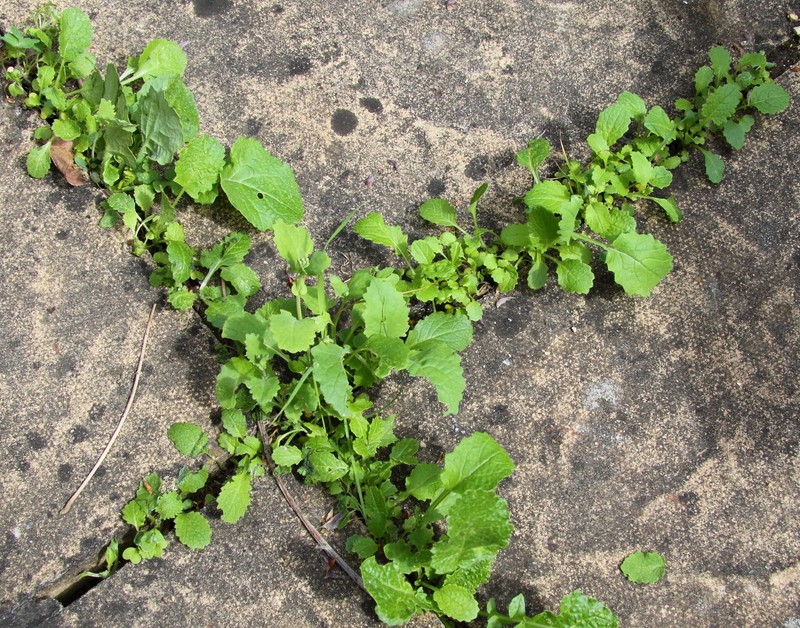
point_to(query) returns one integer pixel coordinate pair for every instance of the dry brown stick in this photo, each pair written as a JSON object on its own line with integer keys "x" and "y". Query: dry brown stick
{"x": 321, "y": 542}
{"x": 124, "y": 416}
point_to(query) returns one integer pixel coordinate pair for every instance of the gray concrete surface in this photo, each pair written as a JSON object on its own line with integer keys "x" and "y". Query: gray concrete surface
{"x": 668, "y": 423}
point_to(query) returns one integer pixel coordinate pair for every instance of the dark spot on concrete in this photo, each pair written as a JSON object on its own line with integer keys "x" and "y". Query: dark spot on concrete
{"x": 252, "y": 126}
{"x": 435, "y": 187}
{"x": 62, "y": 235}
{"x": 373, "y": 105}
{"x": 148, "y": 369}
{"x": 101, "y": 472}
{"x": 477, "y": 168}
{"x": 95, "y": 413}
{"x": 343, "y": 121}
{"x": 65, "y": 472}
{"x": 36, "y": 441}
{"x": 66, "y": 365}
{"x": 50, "y": 309}
{"x": 299, "y": 66}
{"x": 690, "y": 501}
{"x": 80, "y": 433}
{"x": 23, "y": 466}
{"x": 209, "y": 8}
{"x": 277, "y": 9}
{"x": 499, "y": 414}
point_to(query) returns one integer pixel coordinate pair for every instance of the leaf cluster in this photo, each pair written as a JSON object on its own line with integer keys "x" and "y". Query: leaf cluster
{"x": 576, "y": 609}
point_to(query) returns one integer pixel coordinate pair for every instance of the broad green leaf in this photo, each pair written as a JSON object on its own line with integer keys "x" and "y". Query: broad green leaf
{"x": 537, "y": 275}
{"x": 633, "y": 104}
{"x": 193, "y": 530}
{"x": 329, "y": 373}
{"x": 477, "y": 462}
{"x": 326, "y": 467}
{"x": 188, "y": 438}
{"x": 639, "y": 262}
{"x": 169, "y": 505}
{"x": 263, "y": 387}
{"x": 38, "y": 161}
{"x": 239, "y": 324}
{"x": 613, "y": 123}
{"x": 287, "y": 455}
{"x": 292, "y": 335}
{"x": 66, "y": 129}
{"x": 192, "y": 482}
{"x": 260, "y": 186}
{"x": 576, "y": 610}
{"x": 516, "y": 607}
{"x": 74, "y": 33}
{"x": 457, "y": 602}
{"x": 181, "y": 298}
{"x": 641, "y": 167}
{"x": 234, "y": 422}
{"x": 670, "y": 207}
{"x": 242, "y": 278}
{"x": 396, "y": 601}
{"x": 455, "y": 330}
{"x": 643, "y": 567}
{"x": 437, "y": 363}
{"x": 547, "y": 194}
{"x": 134, "y": 513}
{"x": 534, "y": 156}
{"x": 702, "y": 79}
{"x": 424, "y": 251}
{"x": 598, "y": 144}
{"x": 392, "y": 352}
{"x": 386, "y": 311}
{"x": 161, "y": 57}
{"x": 373, "y": 228}
{"x": 234, "y": 497}
{"x": 405, "y": 451}
{"x": 715, "y": 167}
{"x": 543, "y": 228}
{"x": 608, "y": 222}
{"x": 515, "y": 235}
{"x": 199, "y": 164}
{"x": 735, "y": 132}
{"x": 361, "y": 546}
{"x": 472, "y": 577}
{"x": 439, "y": 212}
{"x": 721, "y": 103}
{"x": 380, "y": 434}
{"x": 180, "y": 259}
{"x": 294, "y": 245}
{"x": 160, "y": 126}
{"x": 574, "y": 276}
{"x": 424, "y": 482}
{"x": 720, "y": 61}
{"x": 231, "y": 375}
{"x": 658, "y": 122}
{"x": 768, "y": 98}
{"x": 477, "y": 528}
{"x": 182, "y": 101}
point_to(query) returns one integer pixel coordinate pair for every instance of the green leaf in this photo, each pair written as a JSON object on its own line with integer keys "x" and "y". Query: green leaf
{"x": 199, "y": 164}
{"x": 38, "y": 161}
{"x": 294, "y": 245}
{"x": 182, "y": 101}
{"x": 287, "y": 455}
{"x": 639, "y": 262}
{"x": 454, "y": 330}
{"x": 439, "y": 212}
{"x": 386, "y": 311}
{"x": 537, "y": 275}
{"x": 329, "y": 373}
{"x": 74, "y": 33}
{"x": 326, "y": 467}
{"x": 477, "y": 462}
{"x": 361, "y": 546}
{"x": 181, "y": 298}
{"x": 260, "y": 186}
{"x": 234, "y": 497}
{"x": 181, "y": 257}
{"x": 576, "y": 610}
{"x": 720, "y": 61}
{"x": 66, "y": 129}
{"x": 643, "y": 567}
{"x": 534, "y": 156}
{"x": 373, "y": 228}
{"x": 161, "y": 57}
{"x": 392, "y": 353}
{"x": 380, "y": 434}
{"x": 768, "y": 98}
{"x": 548, "y": 194}
{"x": 721, "y": 103}
{"x": 715, "y": 167}
{"x": 188, "y": 438}
{"x": 516, "y": 607}
{"x": 702, "y": 79}
{"x": 134, "y": 513}
{"x": 424, "y": 482}
{"x": 242, "y": 278}
{"x": 613, "y": 123}
{"x": 670, "y": 207}
{"x": 169, "y": 505}
{"x": 633, "y": 104}
{"x": 735, "y": 132}
{"x": 193, "y": 530}
{"x": 457, "y": 602}
{"x": 477, "y": 528}
{"x": 160, "y": 126}
{"x": 641, "y": 167}
{"x": 396, "y": 601}
{"x": 292, "y": 335}
{"x": 437, "y": 363}
{"x": 574, "y": 276}
{"x": 234, "y": 422}
{"x": 193, "y": 481}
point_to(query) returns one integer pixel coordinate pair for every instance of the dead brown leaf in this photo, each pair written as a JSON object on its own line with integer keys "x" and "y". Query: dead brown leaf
{"x": 61, "y": 154}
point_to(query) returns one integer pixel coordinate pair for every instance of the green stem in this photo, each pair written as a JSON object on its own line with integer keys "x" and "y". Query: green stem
{"x": 294, "y": 392}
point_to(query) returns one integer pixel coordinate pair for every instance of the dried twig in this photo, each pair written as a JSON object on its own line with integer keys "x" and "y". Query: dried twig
{"x": 124, "y": 416}
{"x": 321, "y": 542}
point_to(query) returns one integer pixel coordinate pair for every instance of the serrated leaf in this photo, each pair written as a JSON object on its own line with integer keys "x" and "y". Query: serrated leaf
{"x": 134, "y": 513}
{"x": 643, "y": 567}
{"x": 188, "y": 438}
{"x": 424, "y": 482}
{"x": 534, "y": 156}
{"x": 386, "y": 311}
{"x": 242, "y": 278}
{"x": 720, "y": 61}
{"x": 613, "y": 123}
{"x": 260, "y": 186}
{"x": 74, "y": 33}
{"x": 234, "y": 497}
{"x": 161, "y": 57}
{"x": 380, "y": 434}
{"x": 576, "y": 609}
{"x": 292, "y": 335}
{"x": 326, "y": 467}
{"x": 181, "y": 256}
{"x": 639, "y": 262}
{"x": 287, "y": 455}
{"x": 181, "y": 298}
{"x": 392, "y": 352}
{"x": 457, "y": 602}
{"x": 715, "y": 167}
{"x": 477, "y": 462}
{"x": 437, "y": 363}
{"x": 632, "y": 103}
{"x": 373, "y": 228}
{"x": 234, "y": 422}
{"x": 396, "y": 601}
{"x": 657, "y": 121}
{"x": 721, "y": 103}
{"x": 574, "y": 276}
{"x": 199, "y": 165}
{"x": 331, "y": 377}
{"x": 472, "y": 577}
{"x": 405, "y": 451}
{"x": 66, "y": 129}
{"x": 193, "y": 481}
{"x": 641, "y": 167}
{"x": 454, "y": 330}
{"x": 548, "y": 194}
{"x": 169, "y": 505}
{"x": 231, "y": 375}
{"x": 38, "y": 161}
{"x": 477, "y": 528}
{"x": 702, "y": 79}
{"x": 439, "y": 212}
{"x": 193, "y": 530}
{"x": 361, "y": 546}
{"x": 768, "y": 98}
{"x": 608, "y": 222}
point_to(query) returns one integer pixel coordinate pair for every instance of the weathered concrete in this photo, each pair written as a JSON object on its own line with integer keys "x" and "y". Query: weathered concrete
{"x": 667, "y": 423}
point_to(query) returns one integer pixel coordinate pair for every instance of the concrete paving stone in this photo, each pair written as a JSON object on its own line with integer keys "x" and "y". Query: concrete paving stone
{"x": 667, "y": 423}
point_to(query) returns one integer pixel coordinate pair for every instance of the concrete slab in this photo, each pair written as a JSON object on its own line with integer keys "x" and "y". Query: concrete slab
{"x": 667, "y": 424}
